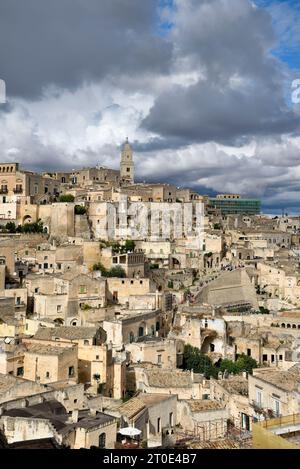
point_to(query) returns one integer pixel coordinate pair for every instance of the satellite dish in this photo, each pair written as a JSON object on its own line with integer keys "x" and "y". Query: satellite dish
{"x": 7, "y": 340}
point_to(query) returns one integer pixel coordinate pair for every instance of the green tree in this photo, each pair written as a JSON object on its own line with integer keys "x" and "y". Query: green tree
{"x": 193, "y": 359}
{"x": 66, "y": 198}
{"x": 228, "y": 365}
{"x": 243, "y": 363}
{"x": 129, "y": 245}
{"x": 79, "y": 210}
{"x": 246, "y": 363}
{"x": 117, "y": 271}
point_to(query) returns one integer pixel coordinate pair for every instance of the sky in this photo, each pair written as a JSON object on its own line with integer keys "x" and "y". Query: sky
{"x": 202, "y": 89}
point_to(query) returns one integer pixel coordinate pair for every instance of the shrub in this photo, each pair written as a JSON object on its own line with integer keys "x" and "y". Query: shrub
{"x": 11, "y": 227}
{"x": 116, "y": 271}
{"x": 79, "y": 210}
{"x": 129, "y": 245}
{"x": 66, "y": 198}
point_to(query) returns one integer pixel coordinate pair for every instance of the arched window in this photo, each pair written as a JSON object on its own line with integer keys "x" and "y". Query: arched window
{"x": 288, "y": 326}
{"x": 157, "y": 326}
{"x": 102, "y": 440}
{"x": 152, "y": 330}
{"x": 283, "y": 325}
{"x": 141, "y": 331}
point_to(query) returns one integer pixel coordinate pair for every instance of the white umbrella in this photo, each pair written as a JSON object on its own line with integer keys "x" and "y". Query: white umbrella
{"x": 130, "y": 431}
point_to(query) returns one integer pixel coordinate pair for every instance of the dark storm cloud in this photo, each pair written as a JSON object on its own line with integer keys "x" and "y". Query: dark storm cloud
{"x": 240, "y": 92}
{"x": 64, "y": 42}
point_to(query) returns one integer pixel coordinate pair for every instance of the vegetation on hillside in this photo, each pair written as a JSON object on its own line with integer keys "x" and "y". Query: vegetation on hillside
{"x": 193, "y": 359}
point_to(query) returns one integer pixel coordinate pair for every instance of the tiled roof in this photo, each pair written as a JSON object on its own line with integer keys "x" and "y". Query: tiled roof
{"x": 65, "y": 332}
{"x": 132, "y": 407}
{"x": 288, "y": 380}
{"x": 235, "y": 385}
{"x": 169, "y": 379}
{"x": 40, "y": 349}
{"x": 199, "y": 405}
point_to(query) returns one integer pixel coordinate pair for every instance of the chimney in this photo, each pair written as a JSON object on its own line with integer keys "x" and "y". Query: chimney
{"x": 75, "y": 416}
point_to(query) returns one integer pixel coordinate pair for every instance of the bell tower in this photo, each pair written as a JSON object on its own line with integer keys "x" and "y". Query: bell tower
{"x": 127, "y": 164}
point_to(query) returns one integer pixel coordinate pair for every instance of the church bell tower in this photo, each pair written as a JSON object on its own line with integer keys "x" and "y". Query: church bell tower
{"x": 127, "y": 164}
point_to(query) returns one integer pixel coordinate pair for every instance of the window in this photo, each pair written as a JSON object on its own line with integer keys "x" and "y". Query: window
{"x": 71, "y": 371}
{"x": 102, "y": 440}
{"x": 212, "y": 347}
{"x": 141, "y": 331}
{"x": 20, "y": 371}
{"x": 158, "y": 425}
{"x": 265, "y": 357}
{"x": 280, "y": 357}
{"x": 47, "y": 374}
{"x": 159, "y": 359}
{"x": 272, "y": 358}
{"x": 82, "y": 289}
{"x": 277, "y": 407}
{"x": 86, "y": 342}
{"x": 249, "y": 352}
{"x": 97, "y": 357}
{"x": 18, "y": 300}
{"x": 258, "y": 398}
{"x": 75, "y": 401}
{"x": 171, "y": 419}
{"x": 58, "y": 308}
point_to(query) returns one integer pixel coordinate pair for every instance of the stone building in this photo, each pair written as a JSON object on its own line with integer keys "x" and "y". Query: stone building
{"x": 274, "y": 392}
{"x": 48, "y": 363}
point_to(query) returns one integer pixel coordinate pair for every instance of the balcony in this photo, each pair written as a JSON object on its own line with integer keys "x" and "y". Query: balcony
{"x": 18, "y": 190}
{"x": 257, "y": 406}
{"x": 3, "y": 190}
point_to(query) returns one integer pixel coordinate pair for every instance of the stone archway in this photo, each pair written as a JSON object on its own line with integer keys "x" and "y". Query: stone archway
{"x": 27, "y": 219}
{"x": 58, "y": 322}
